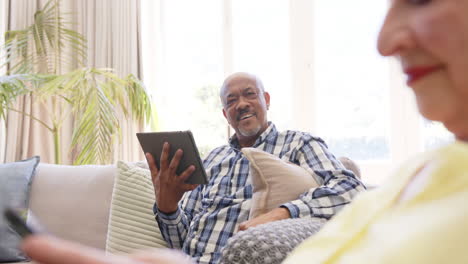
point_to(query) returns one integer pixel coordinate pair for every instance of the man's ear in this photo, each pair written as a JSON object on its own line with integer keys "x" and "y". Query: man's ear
{"x": 266, "y": 95}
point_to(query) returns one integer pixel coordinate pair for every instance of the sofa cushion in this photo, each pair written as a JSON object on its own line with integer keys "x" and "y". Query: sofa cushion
{"x": 274, "y": 181}
{"x": 132, "y": 225}
{"x": 73, "y": 202}
{"x": 15, "y": 182}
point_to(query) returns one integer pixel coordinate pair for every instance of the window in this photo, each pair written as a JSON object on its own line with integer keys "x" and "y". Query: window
{"x": 352, "y": 81}
{"x": 186, "y": 72}
{"x": 260, "y": 45}
{"x": 318, "y": 60}
{"x": 363, "y": 108}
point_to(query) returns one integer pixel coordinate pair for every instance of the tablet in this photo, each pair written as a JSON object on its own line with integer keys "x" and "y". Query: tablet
{"x": 152, "y": 142}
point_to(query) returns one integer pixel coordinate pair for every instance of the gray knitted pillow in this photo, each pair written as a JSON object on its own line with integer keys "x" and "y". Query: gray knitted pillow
{"x": 269, "y": 243}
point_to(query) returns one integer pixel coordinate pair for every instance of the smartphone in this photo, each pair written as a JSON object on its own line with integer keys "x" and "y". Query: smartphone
{"x": 17, "y": 223}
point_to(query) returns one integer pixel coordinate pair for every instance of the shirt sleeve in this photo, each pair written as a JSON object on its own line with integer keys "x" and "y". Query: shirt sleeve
{"x": 338, "y": 186}
{"x": 174, "y": 226}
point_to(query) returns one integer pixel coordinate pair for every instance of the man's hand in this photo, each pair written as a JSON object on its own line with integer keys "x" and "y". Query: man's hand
{"x": 273, "y": 215}
{"x": 49, "y": 250}
{"x": 168, "y": 186}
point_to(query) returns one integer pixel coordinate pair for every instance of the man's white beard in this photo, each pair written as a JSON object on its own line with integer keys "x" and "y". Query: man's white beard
{"x": 250, "y": 132}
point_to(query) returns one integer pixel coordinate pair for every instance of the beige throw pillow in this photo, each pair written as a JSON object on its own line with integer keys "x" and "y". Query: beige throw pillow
{"x": 275, "y": 181}
{"x": 132, "y": 225}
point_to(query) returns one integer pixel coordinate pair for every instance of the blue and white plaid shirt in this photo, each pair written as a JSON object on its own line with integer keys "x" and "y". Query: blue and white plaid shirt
{"x": 209, "y": 215}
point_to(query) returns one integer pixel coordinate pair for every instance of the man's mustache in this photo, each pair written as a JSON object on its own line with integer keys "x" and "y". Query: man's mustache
{"x": 242, "y": 112}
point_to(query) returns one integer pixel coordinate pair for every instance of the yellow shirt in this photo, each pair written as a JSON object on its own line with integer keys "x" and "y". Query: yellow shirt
{"x": 381, "y": 227}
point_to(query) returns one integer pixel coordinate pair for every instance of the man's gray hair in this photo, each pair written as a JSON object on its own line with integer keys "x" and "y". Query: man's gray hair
{"x": 257, "y": 80}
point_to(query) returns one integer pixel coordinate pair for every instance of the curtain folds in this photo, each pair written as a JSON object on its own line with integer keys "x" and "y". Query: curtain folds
{"x": 112, "y": 29}
{"x": 25, "y": 137}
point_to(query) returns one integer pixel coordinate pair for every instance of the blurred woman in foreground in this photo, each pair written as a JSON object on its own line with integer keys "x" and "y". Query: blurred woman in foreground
{"x": 420, "y": 214}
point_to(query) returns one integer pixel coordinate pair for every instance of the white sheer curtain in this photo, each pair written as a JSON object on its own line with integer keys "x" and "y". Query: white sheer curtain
{"x": 113, "y": 31}
{"x": 25, "y": 137}
{"x": 112, "y": 28}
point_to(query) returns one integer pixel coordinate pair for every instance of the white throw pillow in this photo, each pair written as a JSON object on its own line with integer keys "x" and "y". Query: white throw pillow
{"x": 73, "y": 202}
{"x": 132, "y": 225}
{"x": 275, "y": 181}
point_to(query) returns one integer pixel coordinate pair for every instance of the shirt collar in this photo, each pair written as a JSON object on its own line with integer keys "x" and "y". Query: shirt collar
{"x": 268, "y": 133}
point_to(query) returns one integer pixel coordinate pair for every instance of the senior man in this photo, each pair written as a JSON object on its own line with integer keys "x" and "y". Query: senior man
{"x": 199, "y": 220}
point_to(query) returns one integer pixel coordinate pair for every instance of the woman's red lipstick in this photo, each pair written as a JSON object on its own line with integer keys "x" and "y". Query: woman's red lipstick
{"x": 416, "y": 73}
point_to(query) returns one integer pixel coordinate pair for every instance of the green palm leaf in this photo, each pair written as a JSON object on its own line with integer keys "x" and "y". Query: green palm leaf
{"x": 94, "y": 97}
{"x": 10, "y": 88}
{"x": 47, "y": 37}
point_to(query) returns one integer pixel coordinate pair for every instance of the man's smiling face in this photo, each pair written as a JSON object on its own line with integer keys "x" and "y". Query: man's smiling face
{"x": 245, "y": 106}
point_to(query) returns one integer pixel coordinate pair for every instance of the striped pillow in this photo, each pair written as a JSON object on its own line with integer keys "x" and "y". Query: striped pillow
{"x": 132, "y": 225}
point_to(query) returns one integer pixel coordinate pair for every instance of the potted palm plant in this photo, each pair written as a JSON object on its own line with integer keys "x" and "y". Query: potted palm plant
{"x": 47, "y": 61}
